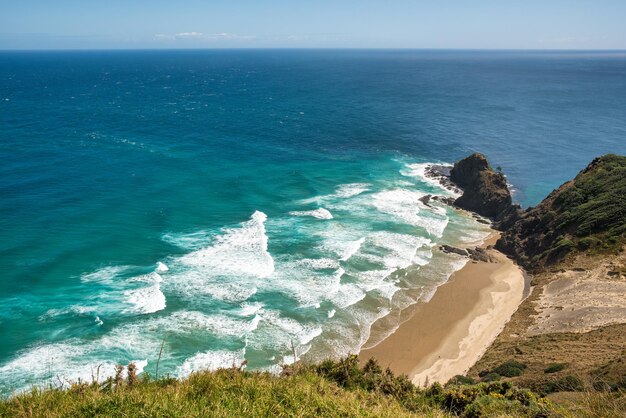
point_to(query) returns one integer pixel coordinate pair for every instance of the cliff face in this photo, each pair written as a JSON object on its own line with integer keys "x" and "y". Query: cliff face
{"x": 587, "y": 213}
{"x": 484, "y": 190}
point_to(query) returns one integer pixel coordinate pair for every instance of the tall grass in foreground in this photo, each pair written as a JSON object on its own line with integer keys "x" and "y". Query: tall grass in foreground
{"x": 329, "y": 389}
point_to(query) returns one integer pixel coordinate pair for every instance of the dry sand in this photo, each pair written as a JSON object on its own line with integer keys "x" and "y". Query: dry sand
{"x": 583, "y": 299}
{"x": 447, "y": 335}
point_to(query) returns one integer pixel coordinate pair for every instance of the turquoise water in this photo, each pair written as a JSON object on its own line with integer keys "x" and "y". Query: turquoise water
{"x": 227, "y": 204}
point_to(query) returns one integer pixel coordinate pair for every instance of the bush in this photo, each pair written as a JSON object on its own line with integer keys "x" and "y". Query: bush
{"x": 461, "y": 380}
{"x": 510, "y": 368}
{"x": 555, "y": 367}
{"x": 564, "y": 245}
{"x": 491, "y": 377}
{"x": 564, "y": 384}
{"x": 588, "y": 242}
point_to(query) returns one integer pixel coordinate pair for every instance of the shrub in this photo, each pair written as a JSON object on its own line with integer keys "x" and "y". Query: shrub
{"x": 555, "y": 367}
{"x": 567, "y": 383}
{"x": 461, "y": 380}
{"x": 564, "y": 245}
{"x": 491, "y": 377}
{"x": 588, "y": 242}
{"x": 510, "y": 368}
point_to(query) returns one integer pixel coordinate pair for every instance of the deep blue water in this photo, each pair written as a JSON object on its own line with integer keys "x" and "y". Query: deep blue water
{"x": 211, "y": 163}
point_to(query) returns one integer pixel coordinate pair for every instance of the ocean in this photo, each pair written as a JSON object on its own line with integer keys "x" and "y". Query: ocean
{"x": 221, "y": 205}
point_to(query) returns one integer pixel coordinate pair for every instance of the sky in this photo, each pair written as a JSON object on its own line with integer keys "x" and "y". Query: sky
{"x": 471, "y": 24}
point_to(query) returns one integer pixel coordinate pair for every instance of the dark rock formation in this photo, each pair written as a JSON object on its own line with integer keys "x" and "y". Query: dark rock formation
{"x": 441, "y": 173}
{"x": 450, "y": 249}
{"x": 484, "y": 191}
{"x": 479, "y": 254}
{"x": 444, "y": 199}
{"x": 475, "y": 254}
{"x": 426, "y": 199}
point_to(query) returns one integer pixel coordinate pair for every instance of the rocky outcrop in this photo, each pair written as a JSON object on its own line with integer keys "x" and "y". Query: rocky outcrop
{"x": 484, "y": 191}
{"x": 450, "y": 249}
{"x": 426, "y": 200}
{"x": 475, "y": 254}
{"x": 480, "y": 254}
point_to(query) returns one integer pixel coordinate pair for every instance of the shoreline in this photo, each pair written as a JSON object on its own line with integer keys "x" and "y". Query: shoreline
{"x": 447, "y": 335}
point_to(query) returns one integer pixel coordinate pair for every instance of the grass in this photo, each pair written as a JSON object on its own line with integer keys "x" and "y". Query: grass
{"x": 593, "y": 211}
{"x": 225, "y": 393}
{"x": 329, "y": 389}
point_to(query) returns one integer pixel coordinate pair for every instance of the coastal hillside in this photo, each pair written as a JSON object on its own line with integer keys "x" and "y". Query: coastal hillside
{"x": 586, "y": 214}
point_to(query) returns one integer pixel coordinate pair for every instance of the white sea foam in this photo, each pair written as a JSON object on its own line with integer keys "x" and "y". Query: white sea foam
{"x": 400, "y": 248}
{"x": 347, "y": 295}
{"x": 193, "y": 283}
{"x": 405, "y": 205}
{"x": 351, "y": 248}
{"x": 77, "y": 310}
{"x": 277, "y": 332}
{"x": 331, "y": 313}
{"x": 211, "y": 360}
{"x": 351, "y": 189}
{"x": 145, "y": 300}
{"x": 151, "y": 278}
{"x": 105, "y": 275}
{"x": 343, "y": 191}
{"x": 387, "y": 290}
{"x": 60, "y": 363}
{"x": 319, "y": 263}
{"x": 373, "y": 279}
{"x": 320, "y": 213}
{"x": 474, "y": 236}
{"x": 365, "y": 319}
{"x": 240, "y": 250}
{"x": 217, "y": 324}
{"x": 189, "y": 241}
{"x": 307, "y": 335}
{"x": 401, "y": 203}
{"x": 418, "y": 170}
{"x": 161, "y": 268}
{"x": 249, "y": 309}
{"x": 435, "y": 225}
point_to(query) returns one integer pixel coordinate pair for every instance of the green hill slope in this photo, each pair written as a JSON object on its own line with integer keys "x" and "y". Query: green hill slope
{"x": 587, "y": 213}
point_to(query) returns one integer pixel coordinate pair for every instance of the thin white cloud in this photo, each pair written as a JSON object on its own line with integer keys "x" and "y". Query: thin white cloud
{"x": 298, "y": 38}
{"x": 203, "y": 36}
{"x": 189, "y": 35}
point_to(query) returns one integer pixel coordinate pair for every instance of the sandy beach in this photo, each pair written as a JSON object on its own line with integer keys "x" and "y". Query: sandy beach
{"x": 445, "y": 336}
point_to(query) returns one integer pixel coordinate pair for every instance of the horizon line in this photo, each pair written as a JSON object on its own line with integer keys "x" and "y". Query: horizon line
{"x": 317, "y": 48}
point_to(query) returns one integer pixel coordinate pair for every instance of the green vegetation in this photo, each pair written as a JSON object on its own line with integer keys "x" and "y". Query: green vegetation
{"x": 587, "y": 214}
{"x": 331, "y": 388}
{"x": 555, "y": 367}
{"x": 595, "y": 206}
{"x": 509, "y": 368}
{"x": 564, "y": 384}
